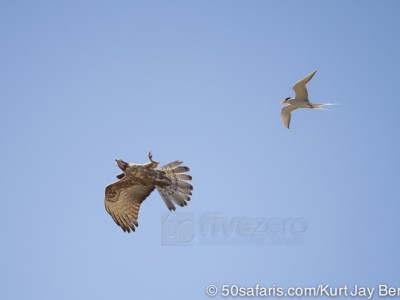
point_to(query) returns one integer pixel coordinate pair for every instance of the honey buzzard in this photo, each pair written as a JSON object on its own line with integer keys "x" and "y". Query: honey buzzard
{"x": 124, "y": 197}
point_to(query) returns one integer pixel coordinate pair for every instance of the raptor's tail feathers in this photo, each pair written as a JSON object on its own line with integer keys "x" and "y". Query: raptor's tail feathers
{"x": 180, "y": 190}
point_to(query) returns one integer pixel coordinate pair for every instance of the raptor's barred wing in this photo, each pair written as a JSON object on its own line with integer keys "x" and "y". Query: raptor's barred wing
{"x": 180, "y": 190}
{"x": 122, "y": 201}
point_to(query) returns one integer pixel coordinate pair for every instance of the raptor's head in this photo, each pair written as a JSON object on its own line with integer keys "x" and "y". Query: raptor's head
{"x": 121, "y": 164}
{"x": 285, "y": 100}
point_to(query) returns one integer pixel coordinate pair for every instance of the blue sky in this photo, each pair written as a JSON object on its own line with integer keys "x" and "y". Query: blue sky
{"x": 85, "y": 82}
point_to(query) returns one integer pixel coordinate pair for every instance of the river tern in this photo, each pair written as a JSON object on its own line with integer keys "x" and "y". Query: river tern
{"x": 300, "y": 100}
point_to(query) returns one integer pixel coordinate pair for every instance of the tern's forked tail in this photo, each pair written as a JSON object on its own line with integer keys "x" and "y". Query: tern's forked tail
{"x": 321, "y": 106}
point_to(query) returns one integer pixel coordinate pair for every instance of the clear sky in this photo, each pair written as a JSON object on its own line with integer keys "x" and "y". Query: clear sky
{"x": 85, "y": 82}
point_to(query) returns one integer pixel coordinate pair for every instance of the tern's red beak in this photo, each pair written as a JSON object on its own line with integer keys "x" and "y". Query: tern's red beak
{"x": 283, "y": 101}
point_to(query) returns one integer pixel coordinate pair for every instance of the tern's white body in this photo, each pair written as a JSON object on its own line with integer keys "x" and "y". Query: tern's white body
{"x": 300, "y": 100}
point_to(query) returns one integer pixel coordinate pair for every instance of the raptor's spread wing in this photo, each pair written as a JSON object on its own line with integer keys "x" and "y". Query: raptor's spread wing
{"x": 179, "y": 191}
{"x": 123, "y": 199}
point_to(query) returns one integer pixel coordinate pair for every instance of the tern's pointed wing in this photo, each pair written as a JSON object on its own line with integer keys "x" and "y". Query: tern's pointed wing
{"x": 123, "y": 199}
{"x": 300, "y": 87}
{"x": 286, "y": 114}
